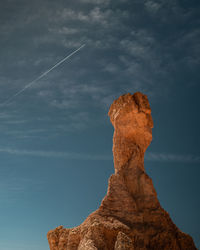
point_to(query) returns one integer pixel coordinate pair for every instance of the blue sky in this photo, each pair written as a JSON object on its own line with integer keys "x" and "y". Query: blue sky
{"x": 56, "y": 138}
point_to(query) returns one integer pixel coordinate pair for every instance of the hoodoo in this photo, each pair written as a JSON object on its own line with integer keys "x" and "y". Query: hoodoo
{"x": 130, "y": 216}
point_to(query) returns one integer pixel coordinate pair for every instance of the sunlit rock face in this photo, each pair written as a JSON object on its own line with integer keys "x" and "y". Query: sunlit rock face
{"x": 130, "y": 215}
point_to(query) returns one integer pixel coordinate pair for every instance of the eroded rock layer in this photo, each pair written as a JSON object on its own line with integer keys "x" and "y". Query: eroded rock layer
{"x": 130, "y": 215}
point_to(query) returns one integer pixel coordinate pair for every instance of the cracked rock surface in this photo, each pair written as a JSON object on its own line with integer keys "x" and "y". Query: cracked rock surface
{"x": 130, "y": 216}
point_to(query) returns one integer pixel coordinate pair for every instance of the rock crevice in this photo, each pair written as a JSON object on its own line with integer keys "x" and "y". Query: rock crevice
{"x": 130, "y": 215}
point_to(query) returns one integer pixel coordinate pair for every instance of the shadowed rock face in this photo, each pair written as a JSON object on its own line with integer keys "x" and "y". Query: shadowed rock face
{"x": 130, "y": 215}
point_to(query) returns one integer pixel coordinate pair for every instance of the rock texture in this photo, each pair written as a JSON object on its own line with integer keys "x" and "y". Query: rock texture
{"x": 130, "y": 215}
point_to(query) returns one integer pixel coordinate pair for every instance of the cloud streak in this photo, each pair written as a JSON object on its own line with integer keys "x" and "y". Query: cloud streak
{"x": 150, "y": 156}
{"x": 67, "y": 155}
{"x": 163, "y": 157}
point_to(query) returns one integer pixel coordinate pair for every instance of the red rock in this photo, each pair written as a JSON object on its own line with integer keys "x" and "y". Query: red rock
{"x": 130, "y": 215}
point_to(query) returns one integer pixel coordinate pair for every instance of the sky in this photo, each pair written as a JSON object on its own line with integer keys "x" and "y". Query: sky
{"x": 56, "y": 137}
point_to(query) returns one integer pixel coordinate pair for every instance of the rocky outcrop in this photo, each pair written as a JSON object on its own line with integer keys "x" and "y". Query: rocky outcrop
{"x": 130, "y": 215}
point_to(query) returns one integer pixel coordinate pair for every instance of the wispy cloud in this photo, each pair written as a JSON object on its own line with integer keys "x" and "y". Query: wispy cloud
{"x": 150, "y": 156}
{"x": 64, "y": 30}
{"x": 152, "y": 6}
{"x": 163, "y": 157}
{"x": 68, "y": 155}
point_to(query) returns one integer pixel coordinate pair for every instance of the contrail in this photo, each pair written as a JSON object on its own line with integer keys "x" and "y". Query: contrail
{"x": 41, "y": 76}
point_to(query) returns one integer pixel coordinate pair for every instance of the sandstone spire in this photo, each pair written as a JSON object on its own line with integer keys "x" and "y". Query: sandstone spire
{"x": 130, "y": 216}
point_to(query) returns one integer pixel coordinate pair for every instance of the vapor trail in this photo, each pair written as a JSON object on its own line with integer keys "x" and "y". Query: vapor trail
{"x": 41, "y": 76}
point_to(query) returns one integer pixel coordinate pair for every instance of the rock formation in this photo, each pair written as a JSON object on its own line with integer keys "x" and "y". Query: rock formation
{"x": 130, "y": 215}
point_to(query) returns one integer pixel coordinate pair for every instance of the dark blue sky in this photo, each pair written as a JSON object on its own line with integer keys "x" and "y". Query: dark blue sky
{"x": 56, "y": 138}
